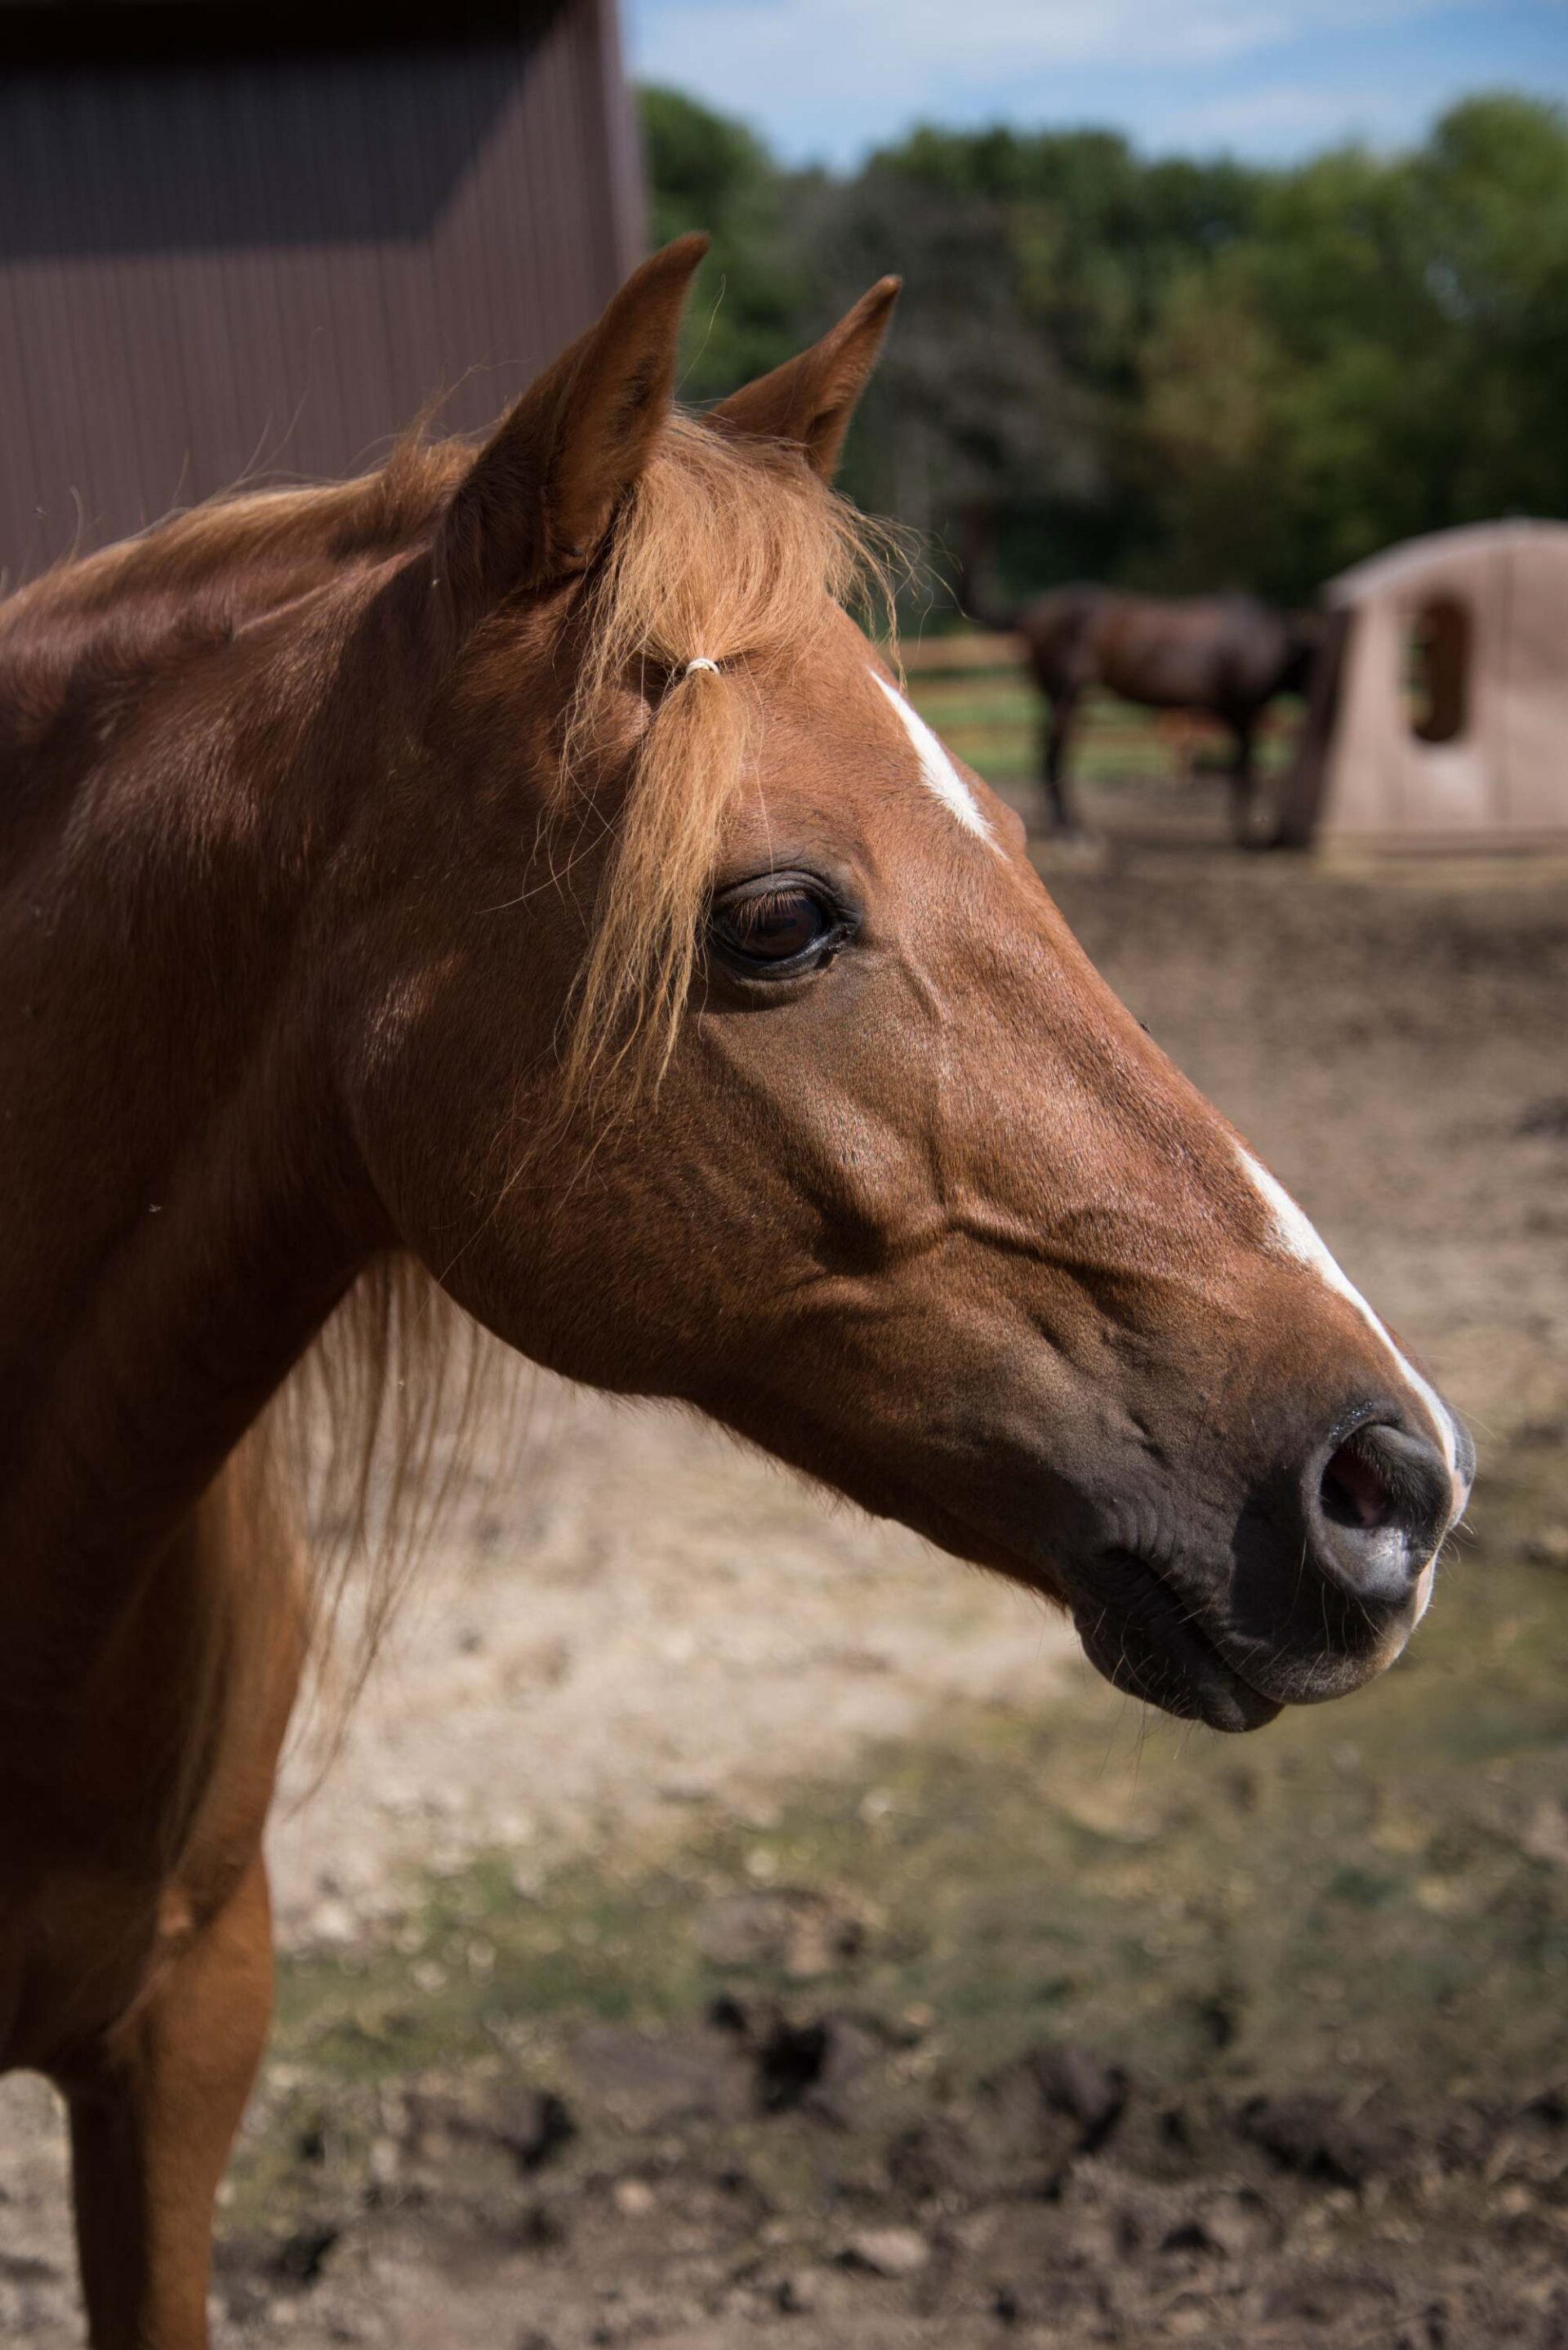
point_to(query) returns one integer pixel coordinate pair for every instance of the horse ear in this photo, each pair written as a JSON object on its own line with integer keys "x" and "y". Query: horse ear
{"x": 539, "y": 496}
{"x": 810, "y": 400}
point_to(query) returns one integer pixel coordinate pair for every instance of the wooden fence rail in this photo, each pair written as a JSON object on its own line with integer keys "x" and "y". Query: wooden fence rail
{"x": 977, "y": 690}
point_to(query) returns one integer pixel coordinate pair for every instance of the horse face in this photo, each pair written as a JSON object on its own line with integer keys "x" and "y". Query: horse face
{"x": 914, "y": 1203}
{"x": 920, "y": 1208}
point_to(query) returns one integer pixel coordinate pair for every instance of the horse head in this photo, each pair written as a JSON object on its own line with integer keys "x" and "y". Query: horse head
{"x": 716, "y": 1040}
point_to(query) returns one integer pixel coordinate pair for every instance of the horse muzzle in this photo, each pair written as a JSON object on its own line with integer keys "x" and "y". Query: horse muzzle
{"x": 1321, "y": 1589}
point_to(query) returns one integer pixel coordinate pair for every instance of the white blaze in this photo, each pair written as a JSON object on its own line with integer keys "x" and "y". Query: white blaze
{"x": 1296, "y": 1235}
{"x": 936, "y": 770}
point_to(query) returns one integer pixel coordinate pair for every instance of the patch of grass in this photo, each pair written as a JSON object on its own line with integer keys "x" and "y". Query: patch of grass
{"x": 478, "y": 1962}
{"x": 993, "y": 724}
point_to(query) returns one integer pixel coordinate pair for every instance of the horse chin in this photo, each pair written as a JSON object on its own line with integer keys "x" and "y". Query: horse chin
{"x": 1139, "y": 1634}
{"x": 1138, "y": 1630}
{"x": 1183, "y": 1674}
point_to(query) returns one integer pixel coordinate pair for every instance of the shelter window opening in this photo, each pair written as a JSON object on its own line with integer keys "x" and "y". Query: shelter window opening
{"x": 1437, "y": 670}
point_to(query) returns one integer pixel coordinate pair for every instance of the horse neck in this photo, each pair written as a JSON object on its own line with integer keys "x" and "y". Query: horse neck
{"x": 185, "y": 1205}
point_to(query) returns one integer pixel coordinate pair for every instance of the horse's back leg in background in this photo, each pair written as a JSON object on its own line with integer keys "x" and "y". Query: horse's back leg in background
{"x": 152, "y": 2125}
{"x": 1244, "y": 777}
{"x": 1056, "y": 742}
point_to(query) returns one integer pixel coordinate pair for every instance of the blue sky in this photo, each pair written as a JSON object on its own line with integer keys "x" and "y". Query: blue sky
{"x": 824, "y": 80}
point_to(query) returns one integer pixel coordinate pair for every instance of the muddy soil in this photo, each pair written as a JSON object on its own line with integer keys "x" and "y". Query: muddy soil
{"x": 729, "y": 1919}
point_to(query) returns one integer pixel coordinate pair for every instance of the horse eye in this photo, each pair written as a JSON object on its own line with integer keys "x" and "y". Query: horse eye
{"x": 787, "y": 926}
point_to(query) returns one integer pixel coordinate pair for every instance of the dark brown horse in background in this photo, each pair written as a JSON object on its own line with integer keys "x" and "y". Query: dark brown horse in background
{"x": 1229, "y": 656}
{"x": 517, "y": 867}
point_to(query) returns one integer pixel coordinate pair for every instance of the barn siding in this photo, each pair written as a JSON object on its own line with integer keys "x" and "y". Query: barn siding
{"x": 268, "y": 265}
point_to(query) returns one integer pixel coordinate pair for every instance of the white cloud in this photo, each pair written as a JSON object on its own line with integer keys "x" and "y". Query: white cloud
{"x": 1291, "y": 112}
{"x": 858, "y": 70}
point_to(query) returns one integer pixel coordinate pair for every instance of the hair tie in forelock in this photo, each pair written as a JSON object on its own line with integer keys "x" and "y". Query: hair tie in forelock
{"x": 701, "y": 662}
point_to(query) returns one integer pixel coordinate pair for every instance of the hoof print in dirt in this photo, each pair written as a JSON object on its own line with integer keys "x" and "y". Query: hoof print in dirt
{"x": 1051, "y": 2106}
{"x": 542, "y": 2227}
{"x": 1189, "y": 2236}
{"x": 1549, "y": 2106}
{"x": 785, "y": 1930}
{"x": 300, "y": 2257}
{"x": 813, "y": 2064}
{"x": 530, "y": 2125}
{"x": 648, "y": 2081}
{"x": 1310, "y": 2136}
{"x": 794, "y": 2296}
{"x": 936, "y": 2161}
{"x": 1548, "y": 1117}
{"x": 791, "y": 2062}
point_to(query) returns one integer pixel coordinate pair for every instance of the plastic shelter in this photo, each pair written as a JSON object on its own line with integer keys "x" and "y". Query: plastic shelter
{"x": 1438, "y": 714}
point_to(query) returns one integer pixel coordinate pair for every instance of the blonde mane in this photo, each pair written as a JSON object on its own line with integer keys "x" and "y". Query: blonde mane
{"x": 728, "y": 560}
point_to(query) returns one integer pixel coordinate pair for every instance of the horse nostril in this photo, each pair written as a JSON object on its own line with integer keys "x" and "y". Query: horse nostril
{"x": 1376, "y": 1510}
{"x": 1352, "y": 1493}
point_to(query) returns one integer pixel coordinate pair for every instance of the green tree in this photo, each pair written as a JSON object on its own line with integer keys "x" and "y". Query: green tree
{"x": 706, "y": 172}
{"x": 1210, "y": 445}
{"x": 1186, "y": 372}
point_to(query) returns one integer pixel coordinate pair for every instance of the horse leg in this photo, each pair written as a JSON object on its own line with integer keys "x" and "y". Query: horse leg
{"x": 152, "y": 2129}
{"x": 1241, "y": 779}
{"x": 1058, "y": 734}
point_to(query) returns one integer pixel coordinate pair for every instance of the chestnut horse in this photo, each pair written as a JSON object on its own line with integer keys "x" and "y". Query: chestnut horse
{"x": 518, "y": 864}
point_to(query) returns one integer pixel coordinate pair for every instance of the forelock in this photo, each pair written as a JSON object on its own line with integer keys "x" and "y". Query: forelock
{"x": 730, "y": 555}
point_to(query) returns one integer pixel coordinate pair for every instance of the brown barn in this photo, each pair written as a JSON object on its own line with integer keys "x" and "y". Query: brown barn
{"x": 255, "y": 240}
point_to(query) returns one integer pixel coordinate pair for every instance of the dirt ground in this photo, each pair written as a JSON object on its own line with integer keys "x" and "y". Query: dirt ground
{"x": 729, "y": 1919}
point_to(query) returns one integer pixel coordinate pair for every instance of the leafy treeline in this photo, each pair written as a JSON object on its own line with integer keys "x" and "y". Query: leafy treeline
{"x": 1182, "y": 374}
